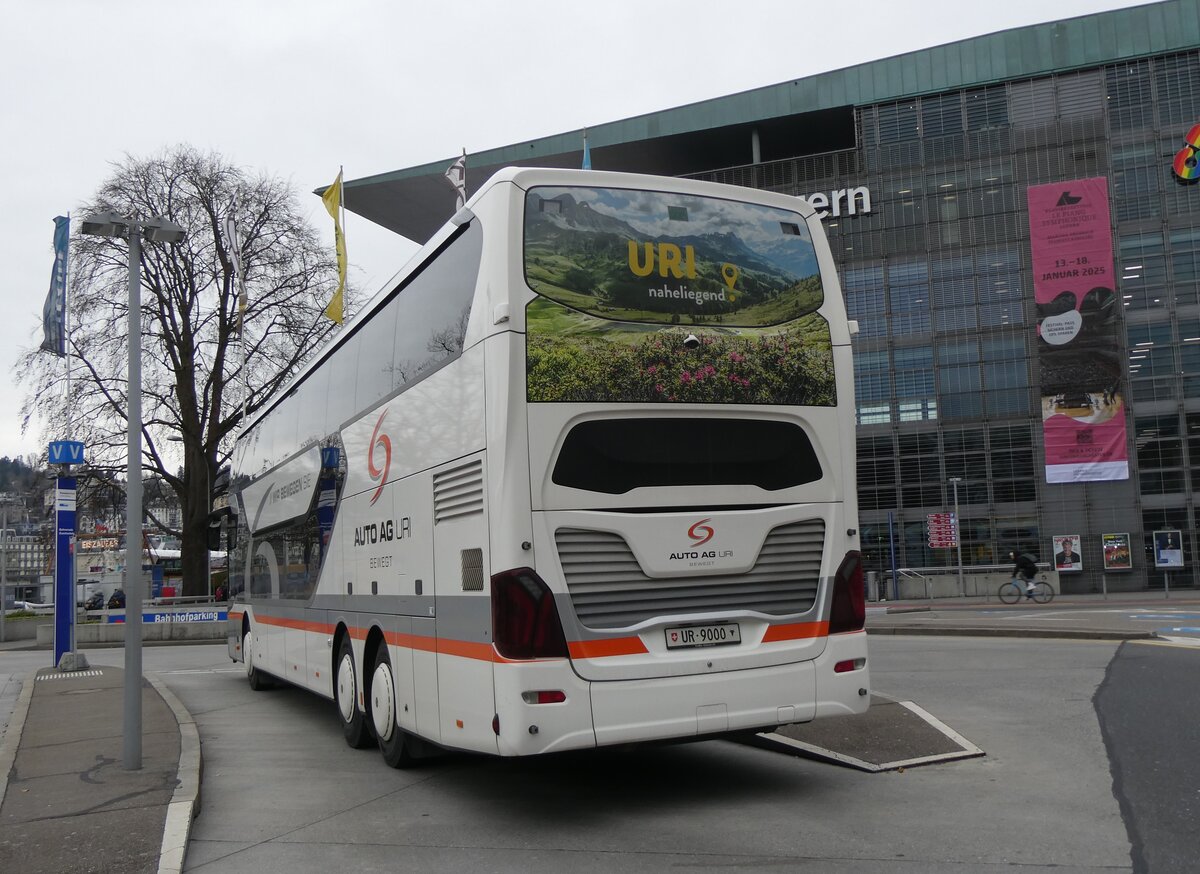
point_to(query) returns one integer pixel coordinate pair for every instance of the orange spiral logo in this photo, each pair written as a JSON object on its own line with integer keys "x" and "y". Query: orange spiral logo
{"x": 379, "y": 474}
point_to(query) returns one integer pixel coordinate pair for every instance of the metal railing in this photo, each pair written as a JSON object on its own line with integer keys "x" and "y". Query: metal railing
{"x": 926, "y": 574}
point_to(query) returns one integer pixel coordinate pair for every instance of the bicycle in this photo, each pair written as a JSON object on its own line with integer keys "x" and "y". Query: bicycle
{"x": 1012, "y": 592}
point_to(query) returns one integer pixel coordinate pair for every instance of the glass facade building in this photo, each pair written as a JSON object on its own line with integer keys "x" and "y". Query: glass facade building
{"x": 938, "y": 275}
{"x": 936, "y": 267}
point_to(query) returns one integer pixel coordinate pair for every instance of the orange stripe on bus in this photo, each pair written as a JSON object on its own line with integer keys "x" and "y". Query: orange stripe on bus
{"x": 466, "y": 649}
{"x": 297, "y": 624}
{"x": 796, "y": 631}
{"x": 410, "y": 641}
{"x": 580, "y": 649}
{"x": 598, "y": 649}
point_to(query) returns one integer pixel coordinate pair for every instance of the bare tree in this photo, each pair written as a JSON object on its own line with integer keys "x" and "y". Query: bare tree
{"x": 195, "y": 382}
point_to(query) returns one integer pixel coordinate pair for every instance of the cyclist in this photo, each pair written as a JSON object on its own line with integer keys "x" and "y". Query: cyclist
{"x": 1024, "y": 570}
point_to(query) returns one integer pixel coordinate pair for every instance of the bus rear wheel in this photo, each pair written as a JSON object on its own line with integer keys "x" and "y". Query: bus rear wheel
{"x": 254, "y": 676}
{"x": 345, "y": 694}
{"x": 392, "y": 738}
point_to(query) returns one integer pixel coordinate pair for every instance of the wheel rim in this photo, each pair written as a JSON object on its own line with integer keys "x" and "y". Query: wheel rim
{"x": 383, "y": 707}
{"x": 248, "y": 653}
{"x": 345, "y": 687}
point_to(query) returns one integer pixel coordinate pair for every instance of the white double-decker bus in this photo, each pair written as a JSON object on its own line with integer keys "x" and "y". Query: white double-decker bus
{"x": 582, "y": 475}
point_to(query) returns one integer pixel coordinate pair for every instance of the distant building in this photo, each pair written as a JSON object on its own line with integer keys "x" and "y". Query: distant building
{"x": 923, "y": 164}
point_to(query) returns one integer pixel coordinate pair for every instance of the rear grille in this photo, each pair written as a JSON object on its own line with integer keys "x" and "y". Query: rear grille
{"x": 609, "y": 590}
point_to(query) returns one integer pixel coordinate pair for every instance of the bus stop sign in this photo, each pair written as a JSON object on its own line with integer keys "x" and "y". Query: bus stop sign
{"x": 66, "y": 452}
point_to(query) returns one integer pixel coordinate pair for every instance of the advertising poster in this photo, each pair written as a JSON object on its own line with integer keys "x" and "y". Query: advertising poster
{"x": 1066, "y": 553}
{"x": 1083, "y": 412}
{"x": 1117, "y": 556}
{"x": 1168, "y": 549}
{"x": 647, "y": 297}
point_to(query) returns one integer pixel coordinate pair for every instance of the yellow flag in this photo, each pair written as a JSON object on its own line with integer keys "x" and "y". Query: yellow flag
{"x": 332, "y": 198}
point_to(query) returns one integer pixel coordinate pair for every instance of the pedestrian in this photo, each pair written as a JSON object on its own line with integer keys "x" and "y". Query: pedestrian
{"x": 1024, "y": 570}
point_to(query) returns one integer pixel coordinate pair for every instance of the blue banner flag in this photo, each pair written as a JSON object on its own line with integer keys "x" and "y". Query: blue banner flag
{"x": 54, "y": 312}
{"x": 587, "y": 153}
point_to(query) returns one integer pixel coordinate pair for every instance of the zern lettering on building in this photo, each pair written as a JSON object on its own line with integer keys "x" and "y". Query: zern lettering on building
{"x": 840, "y": 201}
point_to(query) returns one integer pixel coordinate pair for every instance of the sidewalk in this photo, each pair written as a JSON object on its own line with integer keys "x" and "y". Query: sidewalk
{"x": 66, "y": 802}
{"x": 1156, "y": 597}
{"x": 1119, "y": 616}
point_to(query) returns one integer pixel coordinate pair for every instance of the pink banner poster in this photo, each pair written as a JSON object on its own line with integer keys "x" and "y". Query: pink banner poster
{"x": 1083, "y": 411}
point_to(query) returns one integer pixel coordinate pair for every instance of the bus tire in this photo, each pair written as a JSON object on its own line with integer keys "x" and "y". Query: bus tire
{"x": 345, "y": 695}
{"x": 254, "y": 676}
{"x": 393, "y": 741}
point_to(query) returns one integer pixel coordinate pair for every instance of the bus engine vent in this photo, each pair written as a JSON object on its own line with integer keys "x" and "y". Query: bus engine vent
{"x": 472, "y": 570}
{"x": 458, "y": 492}
{"x": 609, "y": 590}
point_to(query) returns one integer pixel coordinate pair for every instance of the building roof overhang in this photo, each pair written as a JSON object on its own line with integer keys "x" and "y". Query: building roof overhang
{"x": 799, "y": 117}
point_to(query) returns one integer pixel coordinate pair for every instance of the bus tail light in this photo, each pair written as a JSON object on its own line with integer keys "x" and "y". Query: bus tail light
{"x": 525, "y": 623}
{"x": 544, "y": 696}
{"x": 849, "y": 610}
{"x": 847, "y": 665}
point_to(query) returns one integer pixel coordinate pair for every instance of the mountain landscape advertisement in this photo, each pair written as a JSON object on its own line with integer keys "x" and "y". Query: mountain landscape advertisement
{"x": 627, "y": 278}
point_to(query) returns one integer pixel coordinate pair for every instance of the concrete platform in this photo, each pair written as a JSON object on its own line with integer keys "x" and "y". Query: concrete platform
{"x": 891, "y": 735}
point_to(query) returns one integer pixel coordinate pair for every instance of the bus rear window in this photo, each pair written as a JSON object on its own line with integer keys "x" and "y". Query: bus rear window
{"x": 614, "y": 456}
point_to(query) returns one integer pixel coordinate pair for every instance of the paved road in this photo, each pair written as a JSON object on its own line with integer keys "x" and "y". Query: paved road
{"x": 1147, "y": 712}
{"x": 281, "y": 791}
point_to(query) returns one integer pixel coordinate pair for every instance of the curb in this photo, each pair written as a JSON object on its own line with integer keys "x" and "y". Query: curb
{"x": 967, "y": 631}
{"x": 12, "y": 736}
{"x": 185, "y": 801}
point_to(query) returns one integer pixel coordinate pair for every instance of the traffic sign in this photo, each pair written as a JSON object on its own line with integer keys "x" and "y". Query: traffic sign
{"x": 943, "y": 530}
{"x": 65, "y": 452}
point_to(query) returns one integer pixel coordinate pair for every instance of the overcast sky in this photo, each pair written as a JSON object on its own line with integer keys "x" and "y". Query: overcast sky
{"x": 297, "y": 88}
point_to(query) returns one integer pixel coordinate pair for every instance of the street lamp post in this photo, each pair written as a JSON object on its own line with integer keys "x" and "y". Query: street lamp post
{"x": 3, "y": 572}
{"x": 109, "y": 224}
{"x": 962, "y": 589}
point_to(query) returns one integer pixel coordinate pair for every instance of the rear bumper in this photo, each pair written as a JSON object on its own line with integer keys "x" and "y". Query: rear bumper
{"x": 735, "y": 701}
{"x": 680, "y": 707}
{"x": 630, "y": 711}
{"x": 849, "y": 692}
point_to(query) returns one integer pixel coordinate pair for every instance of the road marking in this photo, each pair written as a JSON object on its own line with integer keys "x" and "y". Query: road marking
{"x": 1028, "y": 613}
{"x": 1056, "y": 615}
{"x": 205, "y": 671}
{"x": 1176, "y": 642}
